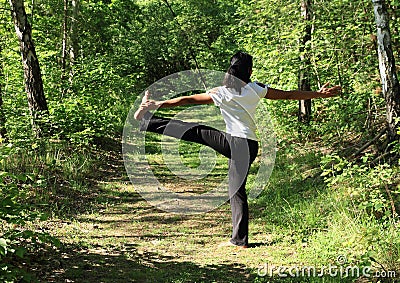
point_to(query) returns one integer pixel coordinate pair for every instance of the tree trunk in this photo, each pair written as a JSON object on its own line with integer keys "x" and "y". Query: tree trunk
{"x": 387, "y": 67}
{"x": 73, "y": 51}
{"x": 64, "y": 47}
{"x": 3, "y": 132}
{"x": 304, "y": 114}
{"x": 33, "y": 78}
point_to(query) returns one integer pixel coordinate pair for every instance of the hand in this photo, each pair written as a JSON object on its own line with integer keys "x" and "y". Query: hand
{"x": 150, "y": 105}
{"x": 329, "y": 92}
{"x": 146, "y": 105}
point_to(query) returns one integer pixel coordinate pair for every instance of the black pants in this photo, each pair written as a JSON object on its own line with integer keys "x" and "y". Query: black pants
{"x": 240, "y": 151}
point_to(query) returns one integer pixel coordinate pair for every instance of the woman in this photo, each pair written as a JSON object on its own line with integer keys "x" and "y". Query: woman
{"x": 237, "y": 100}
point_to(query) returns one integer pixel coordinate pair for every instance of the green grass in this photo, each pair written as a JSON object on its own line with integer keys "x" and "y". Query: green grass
{"x": 110, "y": 234}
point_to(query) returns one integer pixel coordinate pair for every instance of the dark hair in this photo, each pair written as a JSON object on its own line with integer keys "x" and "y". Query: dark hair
{"x": 238, "y": 73}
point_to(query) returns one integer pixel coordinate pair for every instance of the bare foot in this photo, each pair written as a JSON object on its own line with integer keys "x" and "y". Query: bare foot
{"x": 142, "y": 109}
{"x": 230, "y": 244}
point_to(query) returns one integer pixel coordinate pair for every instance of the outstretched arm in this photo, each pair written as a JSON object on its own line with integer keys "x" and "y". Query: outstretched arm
{"x": 324, "y": 92}
{"x": 202, "y": 98}
{"x": 148, "y": 104}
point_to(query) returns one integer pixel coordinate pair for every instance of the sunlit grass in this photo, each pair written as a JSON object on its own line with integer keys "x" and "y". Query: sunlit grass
{"x": 108, "y": 231}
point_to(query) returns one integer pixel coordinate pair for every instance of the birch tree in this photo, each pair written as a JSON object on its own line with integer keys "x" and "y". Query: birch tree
{"x": 69, "y": 41}
{"x": 33, "y": 79}
{"x": 304, "y": 114}
{"x": 387, "y": 68}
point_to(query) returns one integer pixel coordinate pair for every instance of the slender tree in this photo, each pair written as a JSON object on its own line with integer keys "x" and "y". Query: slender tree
{"x": 64, "y": 45}
{"x": 73, "y": 50}
{"x": 387, "y": 67}
{"x": 304, "y": 114}
{"x": 33, "y": 78}
{"x": 3, "y": 132}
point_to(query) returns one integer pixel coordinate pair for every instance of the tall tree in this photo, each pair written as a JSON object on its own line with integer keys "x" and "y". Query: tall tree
{"x": 64, "y": 45}
{"x": 73, "y": 50}
{"x": 33, "y": 77}
{"x": 304, "y": 113}
{"x": 3, "y": 132}
{"x": 387, "y": 67}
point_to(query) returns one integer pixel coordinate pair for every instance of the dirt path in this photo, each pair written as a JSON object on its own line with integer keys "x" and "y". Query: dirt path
{"x": 124, "y": 239}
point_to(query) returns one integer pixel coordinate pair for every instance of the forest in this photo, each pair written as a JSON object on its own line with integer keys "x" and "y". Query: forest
{"x": 70, "y": 74}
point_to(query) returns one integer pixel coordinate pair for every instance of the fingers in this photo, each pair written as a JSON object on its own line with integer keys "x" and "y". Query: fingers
{"x": 326, "y": 85}
{"x": 335, "y": 90}
{"x": 331, "y": 91}
{"x": 149, "y": 105}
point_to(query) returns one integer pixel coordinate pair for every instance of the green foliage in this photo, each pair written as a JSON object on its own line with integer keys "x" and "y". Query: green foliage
{"x": 124, "y": 46}
{"x": 341, "y": 52}
{"x": 373, "y": 190}
{"x": 372, "y": 196}
{"x": 16, "y": 241}
{"x": 31, "y": 181}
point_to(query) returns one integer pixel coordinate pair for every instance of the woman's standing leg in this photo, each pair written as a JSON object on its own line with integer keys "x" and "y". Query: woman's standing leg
{"x": 243, "y": 154}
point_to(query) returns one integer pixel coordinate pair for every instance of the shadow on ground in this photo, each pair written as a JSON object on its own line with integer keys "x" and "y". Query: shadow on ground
{"x": 126, "y": 264}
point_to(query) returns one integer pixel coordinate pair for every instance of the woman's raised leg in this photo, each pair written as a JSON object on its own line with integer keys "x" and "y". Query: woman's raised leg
{"x": 193, "y": 132}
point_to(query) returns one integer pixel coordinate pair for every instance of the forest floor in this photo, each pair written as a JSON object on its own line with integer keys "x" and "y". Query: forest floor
{"x": 120, "y": 237}
{"x": 114, "y": 235}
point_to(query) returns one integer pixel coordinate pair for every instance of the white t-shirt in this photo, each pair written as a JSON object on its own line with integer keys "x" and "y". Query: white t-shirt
{"x": 238, "y": 110}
